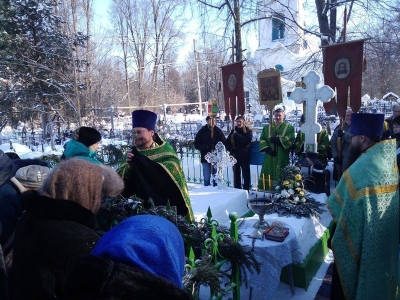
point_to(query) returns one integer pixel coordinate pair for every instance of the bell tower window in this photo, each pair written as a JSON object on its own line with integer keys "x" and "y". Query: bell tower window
{"x": 278, "y": 27}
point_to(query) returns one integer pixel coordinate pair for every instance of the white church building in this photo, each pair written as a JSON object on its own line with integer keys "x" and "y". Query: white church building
{"x": 282, "y": 44}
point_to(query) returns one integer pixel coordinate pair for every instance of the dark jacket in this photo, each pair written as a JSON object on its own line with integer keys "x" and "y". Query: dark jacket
{"x": 49, "y": 235}
{"x": 240, "y": 148}
{"x": 3, "y": 275}
{"x": 10, "y": 210}
{"x": 97, "y": 278}
{"x": 20, "y": 163}
{"x": 10, "y": 207}
{"x": 204, "y": 143}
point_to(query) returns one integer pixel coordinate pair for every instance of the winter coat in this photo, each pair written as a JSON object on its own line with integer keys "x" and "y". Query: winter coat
{"x": 3, "y": 275}
{"x": 97, "y": 278}
{"x": 10, "y": 207}
{"x": 204, "y": 143}
{"x": 10, "y": 210}
{"x": 76, "y": 149}
{"x": 49, "y": 235}
{"x": 20, "y": 163}
{"x": 240, "y": 148}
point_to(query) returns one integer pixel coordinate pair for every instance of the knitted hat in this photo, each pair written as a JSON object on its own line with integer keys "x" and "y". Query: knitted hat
{"x": 88, "y": 136}
{"x": 83, "y": 182}
{"x": 32, "y": 176}
{"x": 367, "y": 124}
{"x": 149, "y": 242}
{"x": 144, "y": 118}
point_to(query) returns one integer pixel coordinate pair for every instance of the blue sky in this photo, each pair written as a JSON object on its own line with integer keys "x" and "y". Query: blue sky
{"x": 100, "y": 13}
{"x": 101, "y": 22}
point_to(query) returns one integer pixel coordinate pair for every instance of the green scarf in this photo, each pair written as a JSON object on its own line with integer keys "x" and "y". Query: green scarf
{"x": 365, "y": 207}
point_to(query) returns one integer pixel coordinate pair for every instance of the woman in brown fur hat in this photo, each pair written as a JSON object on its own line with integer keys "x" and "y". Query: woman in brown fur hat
{"x": 59, "y": 223}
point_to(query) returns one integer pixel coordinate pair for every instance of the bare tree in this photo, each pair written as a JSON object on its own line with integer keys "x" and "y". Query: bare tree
{"x": 146, "y": 42}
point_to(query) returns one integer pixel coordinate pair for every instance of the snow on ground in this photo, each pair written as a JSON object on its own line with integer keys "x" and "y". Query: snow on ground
{"x": 283, "y": 291}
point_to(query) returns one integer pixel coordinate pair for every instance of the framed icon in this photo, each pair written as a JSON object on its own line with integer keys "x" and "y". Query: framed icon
{"x": 269, "y": 87}
{"x": 342, "y": 68}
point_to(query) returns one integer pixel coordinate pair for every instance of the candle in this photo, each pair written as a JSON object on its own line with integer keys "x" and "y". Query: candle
{"x": 256, "y": 183}
{"x": 263, "y": 182}
{"x": 269, "y": 182}
{"x": 237, "y": 111}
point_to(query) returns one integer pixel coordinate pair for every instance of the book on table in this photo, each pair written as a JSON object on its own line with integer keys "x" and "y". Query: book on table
{"x": 276, "y": 233}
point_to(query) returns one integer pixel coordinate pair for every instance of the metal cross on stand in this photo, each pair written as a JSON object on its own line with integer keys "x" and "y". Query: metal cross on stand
{"x": 220, "y": 159}
{"x": 310, "y": 95}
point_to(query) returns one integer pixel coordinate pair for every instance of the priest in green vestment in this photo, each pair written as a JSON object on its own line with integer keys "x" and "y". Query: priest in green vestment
{"x": 365, "y": 209}
{"x": 323, "y": 148}
{"x": 275, "y": 140}
{"x": 152, "y": 169}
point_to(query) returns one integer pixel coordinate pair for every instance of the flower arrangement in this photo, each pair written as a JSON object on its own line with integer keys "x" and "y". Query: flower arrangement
{"x": 290, "y": 196}
{"x": 290, "y": 185}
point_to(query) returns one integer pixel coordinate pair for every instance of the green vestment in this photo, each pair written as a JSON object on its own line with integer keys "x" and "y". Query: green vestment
{"x": 365, "y": 207}
{"x": 323, "y": 145}
{"x": 163, "y": 154}
{"x": 272, "y": 165}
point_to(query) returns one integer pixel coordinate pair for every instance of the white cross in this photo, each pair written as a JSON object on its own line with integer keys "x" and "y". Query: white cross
{"x": 221, "y": 159}
{"x": 311, "y": 94}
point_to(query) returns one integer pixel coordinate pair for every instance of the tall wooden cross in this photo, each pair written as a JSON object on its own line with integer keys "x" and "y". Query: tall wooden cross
{"x": 310, "y": 95}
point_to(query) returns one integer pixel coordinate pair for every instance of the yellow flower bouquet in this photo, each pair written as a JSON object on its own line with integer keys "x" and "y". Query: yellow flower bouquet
{"x": 290, "y": 196}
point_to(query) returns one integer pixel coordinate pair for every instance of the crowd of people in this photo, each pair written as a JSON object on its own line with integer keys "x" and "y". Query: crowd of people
{"x": 51, "y": 248}
{"x": 364, "y": 206}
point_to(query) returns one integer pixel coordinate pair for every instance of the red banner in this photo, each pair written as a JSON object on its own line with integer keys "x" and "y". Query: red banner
{"x": 232, "y": 78}
{"x": 343, "y": 71}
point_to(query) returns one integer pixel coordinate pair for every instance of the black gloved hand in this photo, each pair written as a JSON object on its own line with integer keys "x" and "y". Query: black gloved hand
{"x": 275, "y": 140}
{"x": 340, "y": 133}
{"x": 338, "y": 160}
{"x": 269, "y": 151}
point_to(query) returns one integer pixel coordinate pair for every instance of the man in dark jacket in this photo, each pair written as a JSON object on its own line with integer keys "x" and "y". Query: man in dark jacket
{"x": 206, "y": 139}
{"x": 238, "y": 144}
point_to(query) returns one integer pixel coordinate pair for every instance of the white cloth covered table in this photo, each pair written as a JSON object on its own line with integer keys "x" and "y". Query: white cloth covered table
{"x": 221, "y": 201}
{"x": 304, "y": 233}
{"x": 307, "y": 230}
{"x": 273, "y": 256}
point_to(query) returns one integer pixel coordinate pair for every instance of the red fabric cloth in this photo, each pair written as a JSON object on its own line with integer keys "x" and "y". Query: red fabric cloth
{"x": 232, "y": 78}
{"x": 343, "y": 69}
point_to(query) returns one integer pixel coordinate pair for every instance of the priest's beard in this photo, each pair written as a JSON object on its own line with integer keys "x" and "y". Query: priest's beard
{"x": 354, "y": 154}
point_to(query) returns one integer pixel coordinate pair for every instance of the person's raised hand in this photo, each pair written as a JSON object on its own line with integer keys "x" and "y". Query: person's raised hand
{"x": 129, "y": 157}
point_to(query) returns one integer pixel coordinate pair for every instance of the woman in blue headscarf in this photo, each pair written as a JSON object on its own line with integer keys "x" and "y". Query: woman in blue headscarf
{"x": 140, "y": 258}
